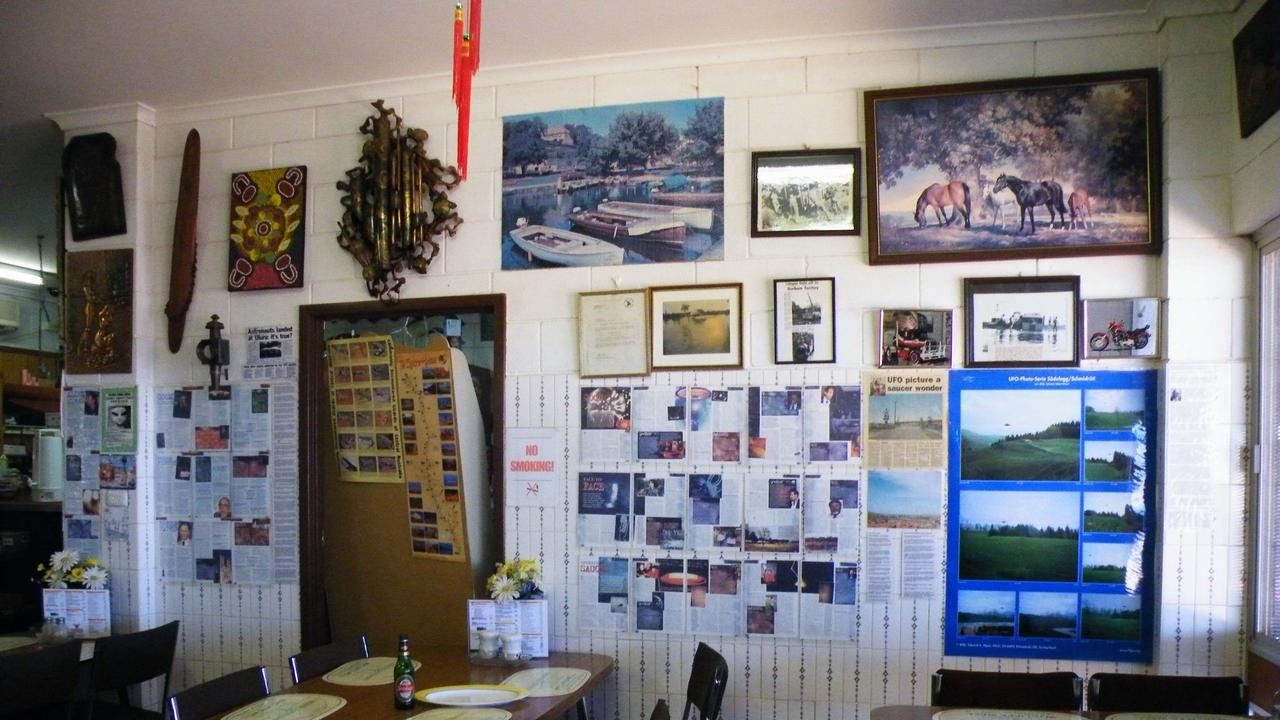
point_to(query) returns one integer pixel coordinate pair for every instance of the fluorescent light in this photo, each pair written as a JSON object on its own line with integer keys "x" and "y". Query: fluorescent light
{"x": 20, "y": 275}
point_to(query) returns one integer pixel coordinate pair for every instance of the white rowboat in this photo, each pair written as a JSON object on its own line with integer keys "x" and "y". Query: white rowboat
{"x": 695, "y": 217}
{"x": 565, "y": 247}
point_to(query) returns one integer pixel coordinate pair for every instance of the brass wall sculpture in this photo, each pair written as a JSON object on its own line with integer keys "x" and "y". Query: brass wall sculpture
{"x": 396, "y": 204}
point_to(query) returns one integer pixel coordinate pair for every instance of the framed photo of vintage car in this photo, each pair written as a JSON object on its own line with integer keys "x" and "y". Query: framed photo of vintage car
{"x": 696, "y": 326}
{"x": 1035, "y": 167}
{"x": 806, "y": 192}
{"x": 804, "y": 321}
{"x": 915, "y": 337}
{"x": 1022, "y": 321}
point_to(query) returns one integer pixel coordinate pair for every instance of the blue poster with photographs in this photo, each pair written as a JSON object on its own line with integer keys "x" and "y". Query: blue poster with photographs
{"x": 1051, "y": 515}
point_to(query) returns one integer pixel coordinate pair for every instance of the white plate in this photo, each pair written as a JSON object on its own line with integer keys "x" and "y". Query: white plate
{"x": 472, "y": 695}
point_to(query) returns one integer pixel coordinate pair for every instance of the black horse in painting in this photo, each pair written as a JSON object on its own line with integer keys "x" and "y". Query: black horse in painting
{"x": 1031, "y": 194}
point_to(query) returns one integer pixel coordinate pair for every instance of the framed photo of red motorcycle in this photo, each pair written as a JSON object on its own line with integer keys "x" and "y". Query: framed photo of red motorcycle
{"x": 1031, "y": 167}
{"x": 1022, "y": 321}
{"x": 1125, "y": 327}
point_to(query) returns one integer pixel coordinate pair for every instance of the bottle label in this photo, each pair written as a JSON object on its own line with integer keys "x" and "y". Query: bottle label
{"x": 404, "y": 688}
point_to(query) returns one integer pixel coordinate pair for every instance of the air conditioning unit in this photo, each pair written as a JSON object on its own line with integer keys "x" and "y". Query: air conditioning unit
{"x": 10, "y": 316}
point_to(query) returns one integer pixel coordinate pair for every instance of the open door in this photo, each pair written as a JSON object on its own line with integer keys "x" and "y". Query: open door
{"x": 358, "y": 571}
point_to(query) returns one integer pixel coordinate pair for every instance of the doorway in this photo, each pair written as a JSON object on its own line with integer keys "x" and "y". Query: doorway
{"x": 358, "y": 574}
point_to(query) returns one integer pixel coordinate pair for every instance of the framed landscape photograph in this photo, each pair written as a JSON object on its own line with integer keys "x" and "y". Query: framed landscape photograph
{"x": 804, "y": 321}
{"x": 613, "y": 333}
{"x": 910, "y": 336}
{"x": 696, "y": 326}
{"x": 1022, "y": 322}
{"x": 806, "y": 192}
{"x": 1037, "y": 167}
{"x": 1127, "y": 327}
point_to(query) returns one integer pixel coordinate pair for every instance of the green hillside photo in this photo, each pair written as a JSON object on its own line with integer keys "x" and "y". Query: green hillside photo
{"x": 1051, "y": 454}
{"x": 992, "y": 557}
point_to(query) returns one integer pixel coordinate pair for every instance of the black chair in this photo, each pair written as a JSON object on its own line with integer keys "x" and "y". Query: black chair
{"x": 1006, "y": 691}
{"x": 37, "y": 684}
{"x": 707, "y": 682}
{"x": 660, "y": 711}
{"x": 1122, "y": 692}
{"x": 320, "y": 660}
{"x": 215, "y": 697}
{"x": 120, "y": 661}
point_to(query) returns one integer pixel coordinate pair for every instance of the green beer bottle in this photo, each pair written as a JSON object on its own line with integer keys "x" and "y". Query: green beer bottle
{"x": 403, "y": 675}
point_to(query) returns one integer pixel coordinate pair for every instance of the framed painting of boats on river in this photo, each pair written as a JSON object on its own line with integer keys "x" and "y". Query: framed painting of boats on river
{"x": 1039, "y": 167}
{"x": 696, "y": 327}
{"x": 613, "y": 185}
{"x": 805, "y": 192}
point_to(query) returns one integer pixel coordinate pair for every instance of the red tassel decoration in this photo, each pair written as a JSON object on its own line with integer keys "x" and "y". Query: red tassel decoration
{"x": 457, "y": 47}
{"x": 474, "y": 27}
{"x": 464, "y": 106}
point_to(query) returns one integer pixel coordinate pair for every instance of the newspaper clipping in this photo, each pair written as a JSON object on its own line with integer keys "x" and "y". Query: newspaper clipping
{"x": 715, "y": 512}
{"x": 658, "y": 507}
{"x": 717, "y": 418}
{"x": 772, "y": 597}
{"x": 774, "y": 431}
{"x": 604, "y": 508}
{"x": 658, "y": 417}
{"x": 603, "y": 593}
{"x": 606, "y": 424}
{"x": 833, "y": 423}
{"x": 658, "y": 587}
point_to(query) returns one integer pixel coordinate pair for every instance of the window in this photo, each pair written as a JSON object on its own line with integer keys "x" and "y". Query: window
{"x": 1268, "y": 500}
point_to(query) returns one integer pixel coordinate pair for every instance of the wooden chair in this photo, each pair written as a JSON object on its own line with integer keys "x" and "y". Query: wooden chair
{"x": 120, "y": 661}
{"x": 1006, "y": 691}
{"x": 38, "y": 684}
{"x": 320, "y": 660}
{"x": 1121, "y": 692}
{"x": 708, "y": 680}
{"x": 215, "y": 697}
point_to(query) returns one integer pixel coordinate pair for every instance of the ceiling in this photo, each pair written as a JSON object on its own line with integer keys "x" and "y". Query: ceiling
{"x": 58, "y": 55}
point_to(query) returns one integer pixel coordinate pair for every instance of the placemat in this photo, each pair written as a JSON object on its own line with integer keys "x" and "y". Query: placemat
{"x": 989, "y": 714}
{"x": 463, "y": 714}
{"x": 290, "y": 706}
{"x": 365, "y": 672}
{"x": 10, "y": 643}
{"x": 549, "y": 682}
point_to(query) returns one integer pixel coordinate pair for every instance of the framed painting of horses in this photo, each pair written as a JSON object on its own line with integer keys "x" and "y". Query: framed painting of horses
{"x": 1038, "y": 167}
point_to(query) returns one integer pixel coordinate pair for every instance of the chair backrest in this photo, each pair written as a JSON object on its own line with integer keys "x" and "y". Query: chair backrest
{"x": 39, "y": 679}
{"x": 661, "y": 711}
{"x": 215, "y": 697}
{"x": 320, "y": 660}
{"x": 707, "y": 682}
{"x": 1006, "y": 691}
{"x": 1121, "y": 692}
{"x": 123, "y": 660}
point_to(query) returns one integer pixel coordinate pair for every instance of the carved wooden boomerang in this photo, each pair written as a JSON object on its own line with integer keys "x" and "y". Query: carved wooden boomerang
{"x": 182, "y": 272}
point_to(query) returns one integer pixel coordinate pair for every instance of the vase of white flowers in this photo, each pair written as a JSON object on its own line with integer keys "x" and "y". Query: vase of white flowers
{"x": 76, "y": 593}
{"x": 515, "y": 580}
{"x": 521, "y": 611}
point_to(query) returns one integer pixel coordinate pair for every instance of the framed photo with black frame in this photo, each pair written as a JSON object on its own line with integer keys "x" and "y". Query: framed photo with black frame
{"x": 804, "y": 321}
{"x": 1022, "y": 321}
{"x": 696, "y": 327}
{"x": 806, "y": 192}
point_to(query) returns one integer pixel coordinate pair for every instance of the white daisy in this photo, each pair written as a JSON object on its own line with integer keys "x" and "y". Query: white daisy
{"x": 95, "y": 578}
{"x": 64, "y": 560}
{"x": 505, "y": 589}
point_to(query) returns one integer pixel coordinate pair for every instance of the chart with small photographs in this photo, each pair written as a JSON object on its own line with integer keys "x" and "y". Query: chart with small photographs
{"x": 437, "y": 516}
{"x": 363, "y": 401}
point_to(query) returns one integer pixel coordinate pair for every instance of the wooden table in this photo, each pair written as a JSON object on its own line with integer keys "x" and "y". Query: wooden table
{"x": 450, "y": 666}
{"x": 926, "y": 712}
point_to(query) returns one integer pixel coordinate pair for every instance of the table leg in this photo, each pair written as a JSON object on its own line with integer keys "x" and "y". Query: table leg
{"x": 582, "y": 708}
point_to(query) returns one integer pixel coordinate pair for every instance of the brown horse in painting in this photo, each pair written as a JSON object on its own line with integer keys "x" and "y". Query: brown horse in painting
{"x": 938, "y": 197}
{"x": 1079, "y": 204}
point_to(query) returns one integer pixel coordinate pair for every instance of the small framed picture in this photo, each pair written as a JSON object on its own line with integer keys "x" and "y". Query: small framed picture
{"x": 1022, "y": 322}
{"x": 1126, "y": 327}
{"x": 910, "y": 336}
{"x": 806, "y": 192}
{"x": 613, "y": 333}
{"x": 696, "y": 326}
{"x": 804, "y": 321}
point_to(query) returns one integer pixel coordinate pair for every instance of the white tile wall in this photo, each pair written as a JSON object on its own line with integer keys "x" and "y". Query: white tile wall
{"x": 773, "y": 102}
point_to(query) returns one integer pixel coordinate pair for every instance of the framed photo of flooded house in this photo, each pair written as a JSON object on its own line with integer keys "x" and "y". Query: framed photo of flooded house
{"x": 804, "y": 321}
{"x": 1037, "y": 167}
{"x": 806, "y": 192}
{"x": 1022, "y": 321}
{"x": 696, "y": 326}
{"x": 915, "y": 337}
{"x": 613, "y": 333}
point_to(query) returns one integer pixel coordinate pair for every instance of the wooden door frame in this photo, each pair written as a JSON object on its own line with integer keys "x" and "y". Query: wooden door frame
{"x": 313, "y": 419}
